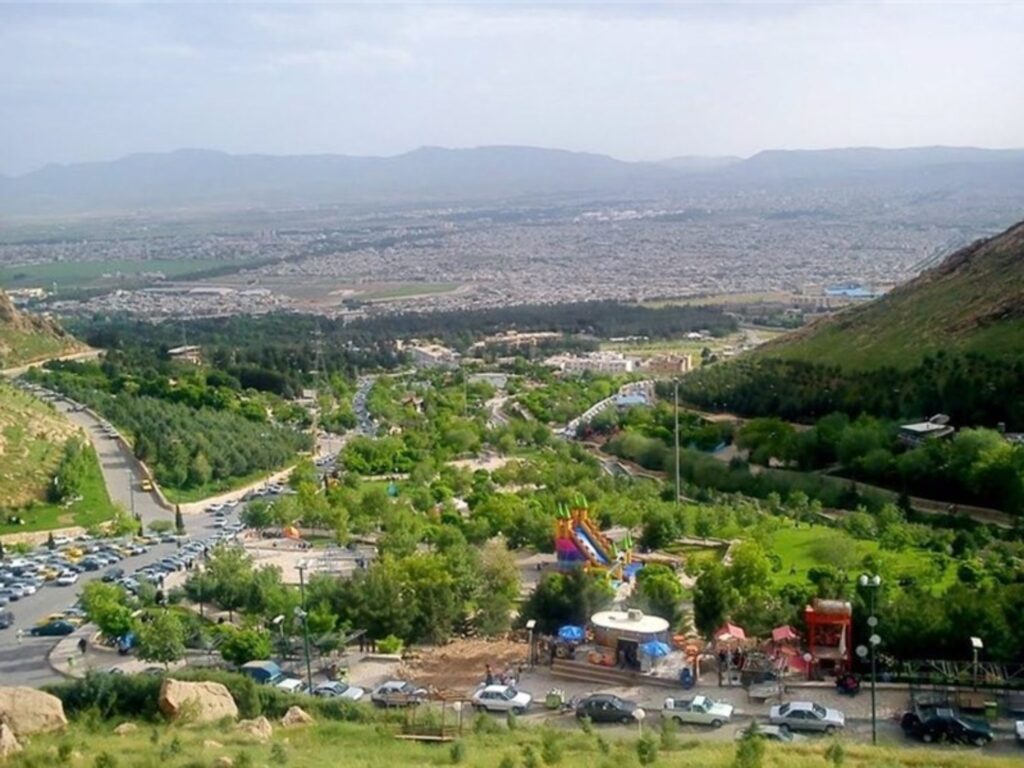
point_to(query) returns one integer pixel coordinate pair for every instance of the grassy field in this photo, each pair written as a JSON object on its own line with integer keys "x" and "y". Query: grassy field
{"x": 369, "y": 746}
{"x": 805, "y": 547}
{"x": 32, "y": 436}
{"x": 406, "y": 291}
{"x": 83, "y": 274}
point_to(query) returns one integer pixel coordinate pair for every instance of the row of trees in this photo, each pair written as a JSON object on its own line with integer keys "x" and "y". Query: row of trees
{"x": 186, "y": 446}
{"x": 972, "y": 389}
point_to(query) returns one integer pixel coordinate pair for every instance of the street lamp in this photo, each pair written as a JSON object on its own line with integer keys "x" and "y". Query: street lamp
{"x": 871, "y": 583}
{"x": 976, "y": 647}
{"x": 302, "y": 615}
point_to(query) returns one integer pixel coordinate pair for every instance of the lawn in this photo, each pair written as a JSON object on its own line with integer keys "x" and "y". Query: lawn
{"x": 406, "y": 291}
{"x": 83, "y": 274}
{"x": 375, "y": 746}
{"x": 802, "y": 548}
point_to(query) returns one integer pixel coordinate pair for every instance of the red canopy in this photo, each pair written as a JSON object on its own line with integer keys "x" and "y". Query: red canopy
{"x": 784, "y": 634}
{"x": 730, "y": 632}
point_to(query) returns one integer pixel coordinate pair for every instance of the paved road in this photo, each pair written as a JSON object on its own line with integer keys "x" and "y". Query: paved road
{"x": 25, "y": 662}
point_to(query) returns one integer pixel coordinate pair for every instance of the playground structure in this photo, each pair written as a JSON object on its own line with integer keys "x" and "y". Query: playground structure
{"x": 579, "y": 543}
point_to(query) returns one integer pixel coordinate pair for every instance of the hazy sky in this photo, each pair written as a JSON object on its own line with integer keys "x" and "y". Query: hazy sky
{"x": 86, "y": 82}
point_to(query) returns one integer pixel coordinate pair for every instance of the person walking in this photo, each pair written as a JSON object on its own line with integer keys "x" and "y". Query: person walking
{"x": 83, "y": 644}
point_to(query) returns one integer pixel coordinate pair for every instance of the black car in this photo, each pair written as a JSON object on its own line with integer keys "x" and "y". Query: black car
{"x": 6, "y": 619}
{"x": 51, "y": 628}
{"x": 606, "y": 708}
{"x": 113, "y": 574}
{"x": 931, "y": 724}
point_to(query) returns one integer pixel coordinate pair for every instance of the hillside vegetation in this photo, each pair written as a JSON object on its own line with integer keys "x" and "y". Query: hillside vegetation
{"x": 971, "y": 303}
{"x": 35, "y": 443}
{"x": 25, "y": 338}
{"x": 488, "y": 745}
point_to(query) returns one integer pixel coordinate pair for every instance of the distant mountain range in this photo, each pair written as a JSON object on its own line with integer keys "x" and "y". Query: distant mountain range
{"x": 972, "y": 302}
{"x": 198, "y": 179}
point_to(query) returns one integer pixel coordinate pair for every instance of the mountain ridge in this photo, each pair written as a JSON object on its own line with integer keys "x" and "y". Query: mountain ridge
{"x": 25, "y": 338}
{"x": 197, "y": 177}
{"x": 972, "y": 301}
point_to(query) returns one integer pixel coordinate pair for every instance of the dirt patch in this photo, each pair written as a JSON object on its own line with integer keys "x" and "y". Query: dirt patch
{"x": 460, "y": 666}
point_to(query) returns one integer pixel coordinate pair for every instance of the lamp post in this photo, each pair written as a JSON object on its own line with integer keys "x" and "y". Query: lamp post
{"x": 303, "y": 616}
{"x": 976, "y": 646}
{"x": 676, "y": 383}
{"x": 872, "y": 583}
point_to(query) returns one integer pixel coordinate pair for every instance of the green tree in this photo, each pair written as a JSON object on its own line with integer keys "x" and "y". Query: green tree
{"x": 161, "y": 637}
{"x": 239, "y": 646}
{"x": 179, "y": 521}
{"x": 713, "y": 598}
{"x": 107, "y": 606}
{"x": 659, "y": 592}
{"x": 499, "y": 587}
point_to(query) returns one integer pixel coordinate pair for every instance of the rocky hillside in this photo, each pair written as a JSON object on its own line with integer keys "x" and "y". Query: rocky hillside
{"x": 25, "y": 338}
{"x": 972, "y": 302}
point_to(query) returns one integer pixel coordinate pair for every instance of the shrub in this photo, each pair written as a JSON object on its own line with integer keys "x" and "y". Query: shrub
{"x": 109, "y": 696}
{"x": 530, "y": 759}
{"x": 669, "y": 734}
{"x": 551, "y": 748}
{"x": 586, "y": 725}
{"x": 64, "y": 750}
{"x": 646, "y": 749}
{"x": 243, "y": 760}
{"x": 105, "y": 760}
{"x": 278, "y": 755}
{"x": 511, "y": 720}
{"x": 507, "y": 762}
{"x": 457, "y": 753}
{"x": 390, "y": 644}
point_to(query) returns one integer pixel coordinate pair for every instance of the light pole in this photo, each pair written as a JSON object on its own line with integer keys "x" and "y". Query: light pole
{"x": 302, "y": 615}
{"x": 976, "y": 646}
{"x": 676, "y": 383}
{"x": 872, "y": 584}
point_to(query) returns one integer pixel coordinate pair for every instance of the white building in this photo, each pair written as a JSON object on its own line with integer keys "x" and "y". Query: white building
{"x": 595, "y": 362}
{"x": 433, "y": 356}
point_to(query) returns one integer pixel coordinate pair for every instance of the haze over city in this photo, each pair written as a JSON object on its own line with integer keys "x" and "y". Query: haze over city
{"x": 639, "y": 82}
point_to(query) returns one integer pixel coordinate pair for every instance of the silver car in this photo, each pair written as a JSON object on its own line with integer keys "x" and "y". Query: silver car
{"x": 806, "y": 716}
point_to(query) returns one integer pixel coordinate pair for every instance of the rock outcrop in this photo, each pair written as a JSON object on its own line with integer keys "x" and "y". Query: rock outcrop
{"x": 126, "y": 728}
{"x": 296, "y": 716}
{"x": 27, "y": 711}
{"x": 8, "y": 743}
{"x": 197, "y": 702}
{"x": 259, "y": 728}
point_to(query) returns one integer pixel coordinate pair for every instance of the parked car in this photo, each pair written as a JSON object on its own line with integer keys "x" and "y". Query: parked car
{"x": 6, "y": 619}
{"x": 931, "y": 724}
{"x": 263, "y": 672}
{"x": 700, "y": 710}
{"x": 126, "y": 642}
{"x": 806, "y": 716}
{"x": 502, "y": 698}
{"x": 339, "y": 690}
{"x": 607, "y": 708}
{"x": 51, "y": 628}
{"x": 67, "y": 578}
{"x": 113, "y": 574}
{"x": 397, "y": 693}
{"x": 292, "y": 685}
{"x": 1019, "y": 729}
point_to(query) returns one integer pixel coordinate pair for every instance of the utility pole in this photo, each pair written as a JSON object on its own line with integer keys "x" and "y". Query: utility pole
{"x": 304, "y": 615}
{"x": 871, "y": 583}
{"x": 676, "y": 382}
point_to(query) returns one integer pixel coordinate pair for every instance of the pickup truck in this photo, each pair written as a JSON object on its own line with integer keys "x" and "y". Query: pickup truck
{"x": 699, "y": 710}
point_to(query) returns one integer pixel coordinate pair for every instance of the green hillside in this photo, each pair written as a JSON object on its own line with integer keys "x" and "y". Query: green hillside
{"x": 25, "y": 338}
{"x": 972, "y": 302}
{"x": 33, "y": 440}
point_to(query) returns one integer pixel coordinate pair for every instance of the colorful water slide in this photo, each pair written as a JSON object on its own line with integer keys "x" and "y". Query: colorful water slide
{"x": 586, "y": 544}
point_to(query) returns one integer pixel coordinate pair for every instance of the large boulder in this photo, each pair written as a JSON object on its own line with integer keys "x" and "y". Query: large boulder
{"x": 124, "y": 729}
{"x": 259, "y": 728}
{"x": 296, "y": 716}
{"x": 8, "y": 743}
{"x": 28, "y": 711}
{"x": 197, "y": 702}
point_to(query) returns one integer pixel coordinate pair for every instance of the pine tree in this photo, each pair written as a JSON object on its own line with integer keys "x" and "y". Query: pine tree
{"x": 179, "y": 521}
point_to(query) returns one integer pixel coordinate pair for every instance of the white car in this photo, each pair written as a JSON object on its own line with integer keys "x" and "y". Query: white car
{"x": 67, "y": 578}
{"x": 806, "y": 716}
{"x": 700, "y": 710}
{"x": 292, "y": 685}
{"x": 502, "y": 698}
{"x": 339, "y": 690}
